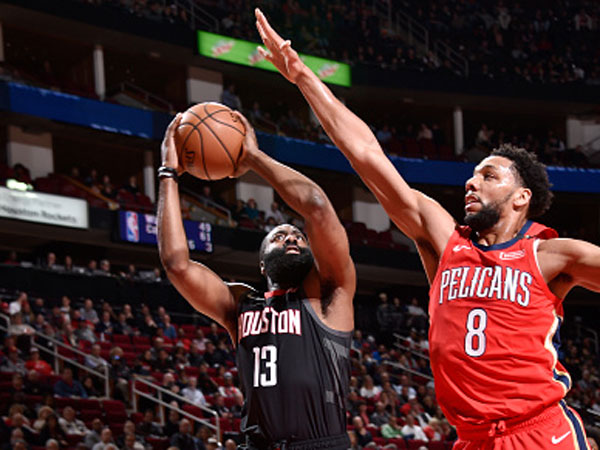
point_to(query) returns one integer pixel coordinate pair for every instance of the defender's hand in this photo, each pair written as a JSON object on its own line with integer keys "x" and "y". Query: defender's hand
{"x": 250, "y": 148}
{"x": 168, "y": 150}
{"x": 280, "y": 53}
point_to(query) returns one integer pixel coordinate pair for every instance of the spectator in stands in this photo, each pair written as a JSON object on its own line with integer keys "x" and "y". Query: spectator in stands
{"x": 93, "y": 436}
{"x": 363, "y": 436}
{"x": 369, "y": 389}
{"x": 43, "y": 413}
{"x": 380, "y": 416}
{"x": 172, "y": 423}
{"x": 131, "y": 185}
{"x": 50, "y": 263}
{"x": 88, "y": 312}
{"x": 34, "y": 384}
{"x": 148, "y": 326}
{"x": 220, "y": 408}
{"x": 12, "y": 362}
{"x": 200, "y": 341}
{"x": 413, "y": 431}
{"x": 107, "y": 189}
{"x": 230, "y": 99}
{"x": 425, "y": 133}
{"x": 148, "y": 427}
{"x": 129, "y": 428}
{"x": 417, "y": 317}
{"x": 92, "y": 179}
{"x": 17, "y": 327}
{"x": 86, "y": 331}
{"x": 194, "y": 357}
{"x": 229, "y": 389}
{"x": 405, "y": 388}
{"x": 130, "y": 443}
{"x": 168, "y": 328}
{"x": 391, "y": 429}
{"x": 122, "y": 326}
{"x": 385, "y": 319}
{"x": 106, "y": 439}
{"x": 68, "y": 265}
{"x": 184, "y": 439}
{"x": 52, "y": 430}
{"x": 275, "y": 213}
{"x": 120, "y": 372}
{"x": 164, "y": 362}
{"x": 211, "y": 356}
{"x": 192, "y": 393}
{"x": 37, "y": 364}
{"x": 52, "y": 444}
{"x": 251, "y": 209}
{"x": 433, "y": 430}
{"x": 105, "y": 267}
{"x": 70, "y": 424}
{"x": 105, "y": 325}
{"x": 15, "y": 306}
{"x": 68, "y": 387}
{"x": 17, "y": 441}
{"x": 89, "y": 384}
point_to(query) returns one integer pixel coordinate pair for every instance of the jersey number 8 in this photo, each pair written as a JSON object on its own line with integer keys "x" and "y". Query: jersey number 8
{"x": 475, "y": 338}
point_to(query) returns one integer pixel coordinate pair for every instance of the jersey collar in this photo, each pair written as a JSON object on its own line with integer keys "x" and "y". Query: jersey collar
{"x": 279, "y": 292}
{"x": 503, "y": 245}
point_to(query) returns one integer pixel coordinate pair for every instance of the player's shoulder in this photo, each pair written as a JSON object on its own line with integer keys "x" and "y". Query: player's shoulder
{"x": 241, "y": 290}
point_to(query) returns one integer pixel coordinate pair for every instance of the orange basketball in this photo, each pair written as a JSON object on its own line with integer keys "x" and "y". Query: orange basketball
{"x": 209, "y": 141}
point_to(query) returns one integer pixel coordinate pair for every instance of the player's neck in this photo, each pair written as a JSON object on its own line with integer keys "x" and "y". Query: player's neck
{"x": 503, "y": 231}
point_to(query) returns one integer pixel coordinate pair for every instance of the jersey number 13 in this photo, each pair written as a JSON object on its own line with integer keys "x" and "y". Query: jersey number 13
{"x": 268, "y": 377}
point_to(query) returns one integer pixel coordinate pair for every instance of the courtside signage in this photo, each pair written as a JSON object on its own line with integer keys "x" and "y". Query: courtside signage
{"x": 141, "y": 228}
{"x": 245, "y": 53}
{"x": 43, "y": 208}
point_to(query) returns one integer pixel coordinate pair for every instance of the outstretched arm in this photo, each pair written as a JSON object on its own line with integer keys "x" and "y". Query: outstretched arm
{"x": 326, "y": 235}
{"x": 418, "y": 216}
{"x": 566, "y": 263}
{"x": 200, "y": 286}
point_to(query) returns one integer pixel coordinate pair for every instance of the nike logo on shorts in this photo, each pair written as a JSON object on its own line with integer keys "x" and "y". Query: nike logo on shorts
{"x": 558, "y": 440}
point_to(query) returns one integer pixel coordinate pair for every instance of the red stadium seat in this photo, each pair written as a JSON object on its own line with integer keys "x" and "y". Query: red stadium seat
{"x": 121, "y": 339}
{"x": 158, "y": 443}
{"x": 113, "y": 405}
{"x": 193, "y": 410}
{"x": 141, "y": 340}
{"x": 415, "y": 445}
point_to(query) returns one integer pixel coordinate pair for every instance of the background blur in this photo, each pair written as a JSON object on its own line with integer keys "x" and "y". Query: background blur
{"x": 93, "y": 330}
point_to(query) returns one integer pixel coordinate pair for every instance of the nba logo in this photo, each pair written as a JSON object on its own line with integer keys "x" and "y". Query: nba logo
{"x": 133, "y": 230}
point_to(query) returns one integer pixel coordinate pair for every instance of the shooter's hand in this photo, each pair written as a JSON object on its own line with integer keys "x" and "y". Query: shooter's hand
{"x": 250, "y": 148}
{"x": 280, "y": 53}
{"x": 168, "y": 150}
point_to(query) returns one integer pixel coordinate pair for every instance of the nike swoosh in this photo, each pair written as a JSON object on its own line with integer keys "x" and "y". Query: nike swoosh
{"x": 458, "y": 248}
{"x": 558, "y": 440}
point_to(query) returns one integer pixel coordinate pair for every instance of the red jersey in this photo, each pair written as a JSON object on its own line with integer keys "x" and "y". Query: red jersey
{"x": 494, "y": 330}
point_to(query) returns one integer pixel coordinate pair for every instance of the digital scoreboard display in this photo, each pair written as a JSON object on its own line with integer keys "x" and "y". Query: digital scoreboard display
{"x": 139, "y": 228}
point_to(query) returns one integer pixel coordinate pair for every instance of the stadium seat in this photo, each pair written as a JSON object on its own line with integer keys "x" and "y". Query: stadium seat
{"x": 399, "y": 442}
{"x": 193, "y": 410}
{"x": 414, "y": 444}
{"x": 436, "y": 445}
{"x": 158, "y": 443}
{"x": 121, "y": 339}
{"x": 113, "y": 405}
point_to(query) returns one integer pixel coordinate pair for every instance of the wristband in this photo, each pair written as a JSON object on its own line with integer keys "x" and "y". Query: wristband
{"x": 167, "y": 172}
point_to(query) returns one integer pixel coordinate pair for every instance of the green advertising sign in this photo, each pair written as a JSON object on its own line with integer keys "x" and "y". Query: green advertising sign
{"x": 244, "y": 52}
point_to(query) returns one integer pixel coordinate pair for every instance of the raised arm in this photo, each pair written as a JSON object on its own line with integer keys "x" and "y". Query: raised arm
{"x": 326, "y": 235}
{"x": 418, "y": 216}
{"x": 200, "y": 286}
{"x": 566, "y": 263}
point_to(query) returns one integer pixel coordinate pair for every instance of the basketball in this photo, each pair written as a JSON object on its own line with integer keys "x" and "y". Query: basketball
{"x": 209, "y": 141}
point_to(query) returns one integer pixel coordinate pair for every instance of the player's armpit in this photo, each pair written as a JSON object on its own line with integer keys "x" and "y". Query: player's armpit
{"x": 570, "y": 262}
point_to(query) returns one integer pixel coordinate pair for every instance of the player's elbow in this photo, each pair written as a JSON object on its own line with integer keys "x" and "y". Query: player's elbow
{"x": 317, "y": 204}
{"x": 175, "y": 264}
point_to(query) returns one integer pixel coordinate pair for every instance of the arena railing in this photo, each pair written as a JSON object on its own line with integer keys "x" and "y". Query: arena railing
{"x": 158, "y": 399}
{"x": 407, "y": 348}
{"x": 199, "y": 18}
{"x": 407, "y": 370}
{"x": 219, "y": 211}
{"x": 58, "y": 357}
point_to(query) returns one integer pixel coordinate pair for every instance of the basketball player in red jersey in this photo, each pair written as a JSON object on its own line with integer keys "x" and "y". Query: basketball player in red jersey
{"x": 293, "y": 342}
{"x": 497, "y": 284}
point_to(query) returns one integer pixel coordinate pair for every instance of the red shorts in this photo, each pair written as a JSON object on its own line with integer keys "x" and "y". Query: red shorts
{"x": 556, "y": 428}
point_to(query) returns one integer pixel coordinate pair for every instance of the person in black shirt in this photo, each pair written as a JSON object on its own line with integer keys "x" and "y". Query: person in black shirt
{"x": 293, "y": 342}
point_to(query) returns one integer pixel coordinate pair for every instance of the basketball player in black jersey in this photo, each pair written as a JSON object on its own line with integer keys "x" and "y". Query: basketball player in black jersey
{"x": 293, "y": 341}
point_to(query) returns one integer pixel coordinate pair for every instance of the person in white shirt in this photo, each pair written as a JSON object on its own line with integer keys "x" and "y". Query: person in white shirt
{"x": 413, "y": 431}
{"x": 276, "y": 213}
{"x": 94, "y": 360}
{"x": 368, "y": 389}
{"x": 72, "y": 425}
{"x": 229, "y": 390}
{"x": 192, "y": 393}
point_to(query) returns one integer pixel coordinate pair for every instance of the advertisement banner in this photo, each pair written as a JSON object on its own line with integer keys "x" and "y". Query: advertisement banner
{"x": 43, "y": 208}
{"x": 242, "y": 52}
{"x": 140, "y": 228}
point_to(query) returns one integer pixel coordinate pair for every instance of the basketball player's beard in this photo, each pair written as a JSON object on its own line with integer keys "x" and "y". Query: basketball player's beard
{"x": 288, "y": 270}
{"x": 485, "y": 218}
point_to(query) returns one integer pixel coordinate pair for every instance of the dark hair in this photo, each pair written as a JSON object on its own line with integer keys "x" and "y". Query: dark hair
{"x": 532, "y": 174}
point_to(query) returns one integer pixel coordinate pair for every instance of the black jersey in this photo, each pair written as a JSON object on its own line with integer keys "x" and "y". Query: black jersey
{"x": 294, "y": 370}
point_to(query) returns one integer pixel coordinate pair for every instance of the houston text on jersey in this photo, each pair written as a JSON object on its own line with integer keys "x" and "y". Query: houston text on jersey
{"x": 268, "y": 320}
